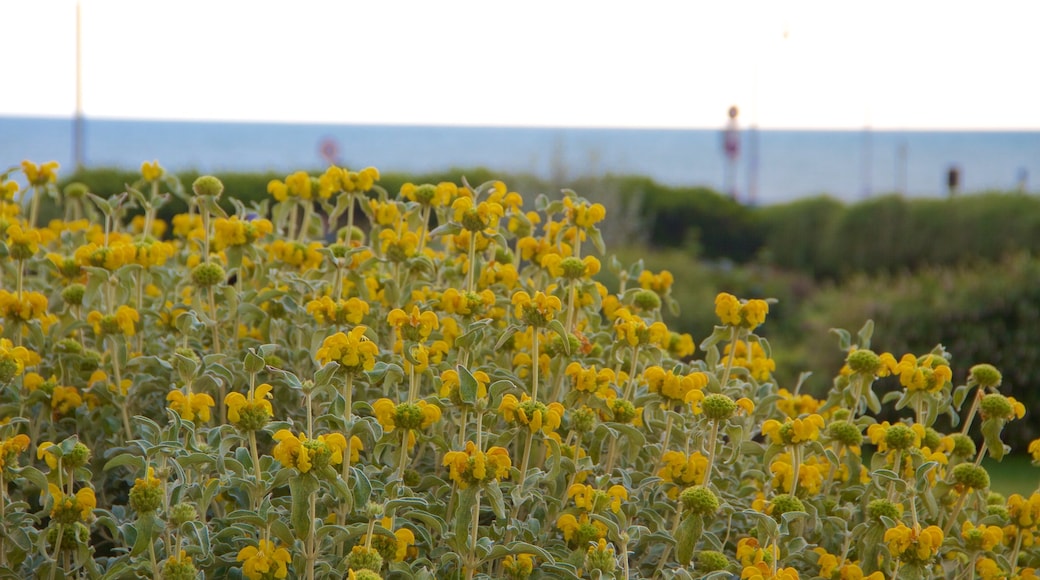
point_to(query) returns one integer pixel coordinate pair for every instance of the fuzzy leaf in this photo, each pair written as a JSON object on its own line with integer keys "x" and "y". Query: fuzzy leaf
{"x": 686, "y": 538}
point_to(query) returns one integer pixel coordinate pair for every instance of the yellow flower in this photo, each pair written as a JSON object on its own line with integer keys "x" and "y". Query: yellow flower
{"x": 415, "y": 326}
{"x": 252, "y": 413}
{"x": 325, "y": 310}
{"x": 31, "y": 306}
{"x": 40, "y": 174}
{"x": 191, "y": 407}
{"x": 306, "y": 454}
{"x": 534, "y": 415}
{"x": 683, "y": 469}
{"x": 263, "y": 560}
{"x": 353, "y": 350}
{"x": 418, "y": 415}
{"x": 71, "y": 508}
{"x": 674, "y": 388}
{"x": 793, "y": 431}
{"x": 481, "y": 217}
{"x": 913, "y": 545}
{"x": 746, "y": 314}
{"x": 65, "y": 400}
{"x": 536, "y": 311}
{"x": 10, "y": 448}
{"x": 152, "y": 171}
{"x": 473, "y": 466}
{"x": 450, "y": 385}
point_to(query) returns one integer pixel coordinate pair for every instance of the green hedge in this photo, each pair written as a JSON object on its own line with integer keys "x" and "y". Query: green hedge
{"x": 892, "y": 234}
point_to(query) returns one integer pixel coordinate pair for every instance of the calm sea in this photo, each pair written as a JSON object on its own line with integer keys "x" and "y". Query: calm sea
{"x": 776, "y": 166}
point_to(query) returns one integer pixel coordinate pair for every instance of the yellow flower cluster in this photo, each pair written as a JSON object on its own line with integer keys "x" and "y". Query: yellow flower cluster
{"x": 913, "y": 544}
{"x": 252, "y": 412}
{"x": 191, "y": 406}
{"x": 264, "y": 560}
{"x": 352, "y": 350}
{"x": 475, "y": 467}
{"x": 747, "y": 314}
{"x": 303, "y": 454}
{"x": 674, "y": 388}
{"x": 72, "y": 508}
{"x": 325, "y": 310}
{"x": 793, "y": 431}
{"x": 534, "y": 415}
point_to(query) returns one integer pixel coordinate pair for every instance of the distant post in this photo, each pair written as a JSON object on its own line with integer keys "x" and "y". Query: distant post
{"x": 953, "y": 180}
{"x": 731, "y": 149}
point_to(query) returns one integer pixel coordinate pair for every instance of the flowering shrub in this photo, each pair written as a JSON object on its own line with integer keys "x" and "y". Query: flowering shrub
{"x": 265, "y": 395}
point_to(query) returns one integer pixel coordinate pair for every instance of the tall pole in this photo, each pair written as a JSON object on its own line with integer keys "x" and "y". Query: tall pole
{"x": 77, "y": 124}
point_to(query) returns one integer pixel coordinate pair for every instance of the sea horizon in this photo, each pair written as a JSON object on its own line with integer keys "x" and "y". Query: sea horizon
{"x": 775, "y": 165}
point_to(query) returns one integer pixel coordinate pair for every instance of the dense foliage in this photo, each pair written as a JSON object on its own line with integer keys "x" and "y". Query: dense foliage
{"x": 244, "y": 397}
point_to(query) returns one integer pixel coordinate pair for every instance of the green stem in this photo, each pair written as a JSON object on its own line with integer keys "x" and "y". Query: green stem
{"x": 535, "y": 364}
{"x": 732, "y": 356}
{"x": 471, "y": 566}
{"x": 256, "y": 468}
{"x": 308, "y": 211}
{"x": 713, "y": 439}
{"x": 470, "y": 266}
{"x": 312, "y": 553}
{"x": 972, "y": 411}
{"x": 527, "y": 457}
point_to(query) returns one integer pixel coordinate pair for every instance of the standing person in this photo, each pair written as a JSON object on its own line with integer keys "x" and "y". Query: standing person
{"x": 731, "y": 149}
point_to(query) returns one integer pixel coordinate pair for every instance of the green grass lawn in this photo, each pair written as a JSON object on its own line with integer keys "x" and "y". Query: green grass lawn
{"x": 1015, "y": 474}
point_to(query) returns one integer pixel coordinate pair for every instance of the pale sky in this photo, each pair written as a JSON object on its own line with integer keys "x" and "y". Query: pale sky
{"x": 787, "y": 64}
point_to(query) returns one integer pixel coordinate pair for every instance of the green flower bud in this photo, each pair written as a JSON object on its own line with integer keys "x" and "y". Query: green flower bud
{"x": 252, "y": 418}
{"x": 73, "y": 294}
{"x": 69, "y": 346}
{"x": 882, "y": 507}
{"x": 841, "y": 414}
{"x": 846, "y": 433}
{"x": 555, "y": 348}
{"x": 985, "y": 375}
{"x": 71, "y": 537}
{"x": 970, "y": 476}
{"x": 646, "y": 300}
{"x": 573, "y": 268}
{"x": 361, "y": 558}
{"x": 583, "y": 420}
{"x": 899, "y": 436}
{"x": 963, "y": 446}
{"x": 994, "y": 498}
{"x": 78, "y": 457}
{"x": 718, "y": 407}
{"x": 864, "y": 361}
{"x": 146, "y": 495}
{"x": 785, "y": 503}
{"x": 177, "y": 569}
{"x": 996, "y": 405}
{"x": 76, "y": 190}
{"x": 932, "y": 438}
{"x": 208, "y": 185}
{"x": 601, "y": 558}
{"x": 699, "y": 500}
{"x": 503, "y": 256}
{"x": 408, "y": 416}
{"x": 624, "y": 411}
{"x": 207, "y": 274}
{"x": 366, "y": 574}
{"x": 373, "y": 510}
{"x": 183, "y": 513}
{"x": 711, "y": 561}
{"x": 998, "y": 510}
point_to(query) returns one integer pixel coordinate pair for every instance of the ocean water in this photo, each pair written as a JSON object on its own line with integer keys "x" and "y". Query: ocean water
{"x": 774, "y": 165}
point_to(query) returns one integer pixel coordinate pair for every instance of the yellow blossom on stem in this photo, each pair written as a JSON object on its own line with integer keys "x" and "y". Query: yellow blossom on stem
{"x": 474, "y": 467}
{"x": 352, "y": 350}
{"x": 264, "y": 560}
{"x": 191, "y": 407}
{"x": 250, "y": 413}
